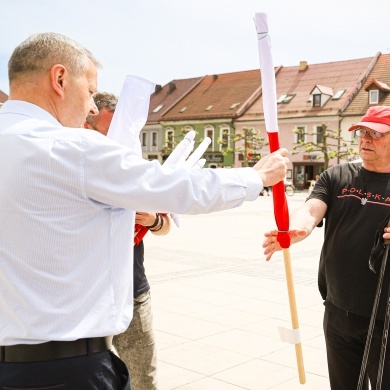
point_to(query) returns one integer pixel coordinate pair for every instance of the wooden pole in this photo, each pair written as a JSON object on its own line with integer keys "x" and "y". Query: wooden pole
{"x": 294, "y": 313}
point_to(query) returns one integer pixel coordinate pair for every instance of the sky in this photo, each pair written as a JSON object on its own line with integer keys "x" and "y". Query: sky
{"x": 164, "y": 40}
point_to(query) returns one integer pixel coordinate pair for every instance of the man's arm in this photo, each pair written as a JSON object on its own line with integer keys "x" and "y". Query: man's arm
{"x": 159, "y": 224}
{"x": 302, "y": 222}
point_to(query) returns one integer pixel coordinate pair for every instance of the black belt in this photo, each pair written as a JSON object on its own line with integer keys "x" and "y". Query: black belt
{"x": 53, "y": 350}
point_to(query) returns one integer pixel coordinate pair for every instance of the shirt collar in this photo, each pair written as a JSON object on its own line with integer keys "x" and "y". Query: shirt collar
{"x": 21, "y": 107}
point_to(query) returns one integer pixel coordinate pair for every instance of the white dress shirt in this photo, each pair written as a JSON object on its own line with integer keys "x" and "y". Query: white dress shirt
{"x": 66, "y": 223}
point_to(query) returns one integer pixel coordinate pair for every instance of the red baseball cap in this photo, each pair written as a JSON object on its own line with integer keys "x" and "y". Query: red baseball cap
{"x": 376, "y": 118}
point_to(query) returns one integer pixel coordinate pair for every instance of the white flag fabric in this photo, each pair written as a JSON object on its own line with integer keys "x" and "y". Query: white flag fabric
{"x": 130, "y": 116}
{"x": 268, "y": 83}
{"x": 131, "y": 112}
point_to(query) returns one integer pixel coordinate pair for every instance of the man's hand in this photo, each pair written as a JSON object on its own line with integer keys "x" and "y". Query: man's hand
{"x": 272, "y": 168}
{"x": 386, "y": 234}
{"x": 272, "y": 245}
{"x": 145, "y": 219}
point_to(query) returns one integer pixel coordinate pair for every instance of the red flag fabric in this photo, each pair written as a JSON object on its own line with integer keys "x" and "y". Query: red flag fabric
{"x": 268, "y": 86}
{"x": 280, "y": 202}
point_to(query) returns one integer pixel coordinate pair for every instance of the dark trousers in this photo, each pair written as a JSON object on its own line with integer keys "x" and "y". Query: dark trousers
{"x": 345, "y": 336}
{"x": 100, "y": 371}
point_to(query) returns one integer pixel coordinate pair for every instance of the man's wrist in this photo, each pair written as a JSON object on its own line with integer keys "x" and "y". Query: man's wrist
{"x": 155, "y": 223}
{"x": 159, "y": 225}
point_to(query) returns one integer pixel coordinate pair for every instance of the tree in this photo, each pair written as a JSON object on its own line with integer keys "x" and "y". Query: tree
{"x": 329, "y": 142}
{"x": 248, "y": 143}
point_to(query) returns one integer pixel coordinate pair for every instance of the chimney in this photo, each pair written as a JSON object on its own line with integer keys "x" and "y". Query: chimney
{"x": 303, "y": 66}
{"x": 157, "y": 89}
{"x": 171, "y": 87}
{"x": 215, "y": 76}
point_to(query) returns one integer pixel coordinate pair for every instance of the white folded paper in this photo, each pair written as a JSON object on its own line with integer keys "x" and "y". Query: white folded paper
{"x": 292, "y": 336}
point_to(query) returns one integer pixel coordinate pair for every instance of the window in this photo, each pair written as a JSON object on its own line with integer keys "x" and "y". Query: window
{"x": 186, "y": 129}
{"x": 154, "y": 138}
{"x": 354, "y": 137}
{"x": 317, "y": 100}
{"x": 225, "y": 136}
{"x": 183, "y": 109}
{"x": 208, "y": 108}
{"x": 234, "y": 105}
{"x": 144, "y": 138}
{"x": 300, "y": 134}
{"x": 319, "y": 135}
{"x": 373, "y": 96}
{"x": 283, "y": 99}
{"x": 158, "y": 108}
{"x": 169, "y": 139}
{"x": 338, "y": 94}
{"x": 209, "y": 132}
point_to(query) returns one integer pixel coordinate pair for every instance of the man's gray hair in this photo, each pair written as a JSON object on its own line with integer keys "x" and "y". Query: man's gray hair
{"x": 105, "y": 100}
{"x": 40, "y": 52}
{"x": 102, "y": 100}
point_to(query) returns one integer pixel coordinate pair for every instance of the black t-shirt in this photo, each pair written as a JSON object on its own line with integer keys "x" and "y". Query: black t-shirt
{"x": 140, "y": 282}
{"x": 357, "y": 201}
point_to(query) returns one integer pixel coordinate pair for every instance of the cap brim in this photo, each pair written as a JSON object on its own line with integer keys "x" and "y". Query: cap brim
{"x": 380, "y": 127}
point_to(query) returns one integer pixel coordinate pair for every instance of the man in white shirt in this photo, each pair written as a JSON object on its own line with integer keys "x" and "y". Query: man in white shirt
{"x": 66, "y": 199}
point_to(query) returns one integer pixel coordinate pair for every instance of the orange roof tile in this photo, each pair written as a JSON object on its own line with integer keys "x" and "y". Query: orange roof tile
{"x": 336, "y": 76}
{"x": 167, "y": 96}
{"x": 379, "y": 73}
{"x": 3, "y": 96}
{"x": 217, "y": 96}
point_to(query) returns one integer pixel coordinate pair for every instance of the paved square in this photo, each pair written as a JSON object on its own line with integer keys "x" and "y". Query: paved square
{"x": 218, "y": 304}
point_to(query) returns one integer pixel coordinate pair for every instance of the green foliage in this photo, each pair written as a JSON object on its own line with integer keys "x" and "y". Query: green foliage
{"x": 331, "y": 144}
{"x": 248, "y": 143}
{"x": 172, "y": 142}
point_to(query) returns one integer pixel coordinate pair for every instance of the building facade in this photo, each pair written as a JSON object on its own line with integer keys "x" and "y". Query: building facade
{"x": 316, "y": 105}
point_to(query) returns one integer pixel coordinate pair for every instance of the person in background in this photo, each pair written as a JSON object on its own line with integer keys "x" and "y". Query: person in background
{"x": 266, "y": 190}
{"x": 312, "y": 183}
{"x": 66, "y": 220}
{"x": 136, "y": 346}
{"x": 353, "y": 198}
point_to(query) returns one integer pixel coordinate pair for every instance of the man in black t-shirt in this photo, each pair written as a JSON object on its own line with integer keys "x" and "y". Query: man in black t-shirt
{"x": 354, "y": 199}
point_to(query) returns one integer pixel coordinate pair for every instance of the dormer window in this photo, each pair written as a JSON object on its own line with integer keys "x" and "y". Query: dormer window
{"x": 320, "y": 95}
{"x": 377, "y": 91}
{"x": 316, "y": 100}
{"x": 373, "y": 96}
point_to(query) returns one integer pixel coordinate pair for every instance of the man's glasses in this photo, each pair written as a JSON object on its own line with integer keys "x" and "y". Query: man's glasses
{"x": 360, "y": 132}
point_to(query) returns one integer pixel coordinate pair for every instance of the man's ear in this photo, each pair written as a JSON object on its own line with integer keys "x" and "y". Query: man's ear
{"x": 58, "y": 75}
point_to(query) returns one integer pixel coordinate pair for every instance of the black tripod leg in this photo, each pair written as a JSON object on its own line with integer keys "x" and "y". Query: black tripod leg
{"x": 384, "y": 344}
{"x": 372, "y": 321}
